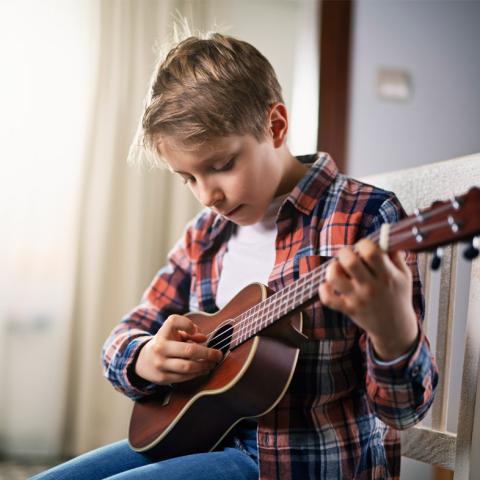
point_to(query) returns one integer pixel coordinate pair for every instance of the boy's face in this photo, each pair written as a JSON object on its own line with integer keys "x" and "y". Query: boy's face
{"x": 235, "y": 176}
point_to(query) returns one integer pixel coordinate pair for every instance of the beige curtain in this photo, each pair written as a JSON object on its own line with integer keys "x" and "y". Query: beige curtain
{"x": 129, "y": 218}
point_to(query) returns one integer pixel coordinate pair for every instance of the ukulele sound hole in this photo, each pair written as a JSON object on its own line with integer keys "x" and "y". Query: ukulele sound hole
{"x": 221, "y": 338}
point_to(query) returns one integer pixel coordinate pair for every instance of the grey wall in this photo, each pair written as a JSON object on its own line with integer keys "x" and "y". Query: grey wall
{"x": 438, "y": 43}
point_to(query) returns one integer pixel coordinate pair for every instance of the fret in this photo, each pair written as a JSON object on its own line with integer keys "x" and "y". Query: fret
{"x": 304, "y": 285}
{"x": 271, "y": 312}
{"x": 242, "y": 330}
{"x": 249, "y": 323}
{"x": 296, "y": 297}
{"x": 276, "y": 309}
{"x": 261, "y": 313}
{"x": 291, "y": 297}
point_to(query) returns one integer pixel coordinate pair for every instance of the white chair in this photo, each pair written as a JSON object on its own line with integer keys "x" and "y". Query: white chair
{"x": 452, "y": 322}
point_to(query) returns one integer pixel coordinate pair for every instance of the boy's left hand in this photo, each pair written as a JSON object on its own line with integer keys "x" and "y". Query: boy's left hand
{"x": 375, "y": 290}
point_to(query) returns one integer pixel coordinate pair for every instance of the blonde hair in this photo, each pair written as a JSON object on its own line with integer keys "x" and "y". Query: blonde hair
{"x": 206, "y": 88}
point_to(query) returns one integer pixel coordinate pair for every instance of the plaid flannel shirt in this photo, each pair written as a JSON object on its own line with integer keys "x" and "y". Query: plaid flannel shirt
{"x": 340, "y": 416}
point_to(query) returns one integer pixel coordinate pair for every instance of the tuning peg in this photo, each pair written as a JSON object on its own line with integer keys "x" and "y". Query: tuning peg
{"x": 437, "y": 259}
{"x": 473, "y": 249}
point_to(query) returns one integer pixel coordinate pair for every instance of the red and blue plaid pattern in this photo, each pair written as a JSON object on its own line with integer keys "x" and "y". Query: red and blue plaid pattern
{"x": 341, "y": 414}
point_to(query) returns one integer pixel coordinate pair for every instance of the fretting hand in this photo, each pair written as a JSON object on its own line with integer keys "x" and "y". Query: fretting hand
{"x": 375, "y": 290}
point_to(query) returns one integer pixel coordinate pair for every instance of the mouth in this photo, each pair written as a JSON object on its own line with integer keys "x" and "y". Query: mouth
{"x": 232, "y": 212}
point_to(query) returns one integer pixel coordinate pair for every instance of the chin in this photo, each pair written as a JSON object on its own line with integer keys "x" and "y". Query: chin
{"x": 242, "y": 223}
{"x": 245, "y": 222}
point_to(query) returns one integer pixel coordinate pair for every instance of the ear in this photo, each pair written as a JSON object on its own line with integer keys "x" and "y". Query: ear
{"x": 278, "y": 124}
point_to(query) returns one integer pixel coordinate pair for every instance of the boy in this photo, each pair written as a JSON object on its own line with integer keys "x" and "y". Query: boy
{"x": 216, "y": 117}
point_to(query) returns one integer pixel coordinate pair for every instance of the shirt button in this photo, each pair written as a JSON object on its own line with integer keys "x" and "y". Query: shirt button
{"x": 415, "y": 371}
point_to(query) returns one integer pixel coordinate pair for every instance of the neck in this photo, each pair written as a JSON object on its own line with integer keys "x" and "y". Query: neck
{"x": 263, "y": 314}
{"x": 294, "y": 171}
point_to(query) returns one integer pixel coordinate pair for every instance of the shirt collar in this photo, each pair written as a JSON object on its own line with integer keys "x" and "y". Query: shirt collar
{"x": 305, "y": 194}
{"x": 315, "y": 182}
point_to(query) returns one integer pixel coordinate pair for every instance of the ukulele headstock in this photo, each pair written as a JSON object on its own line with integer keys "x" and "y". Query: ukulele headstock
{"x": 444, "y": 222}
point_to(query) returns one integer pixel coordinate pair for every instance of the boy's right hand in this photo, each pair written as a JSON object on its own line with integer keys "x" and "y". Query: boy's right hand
{"x": 175, "y": 355}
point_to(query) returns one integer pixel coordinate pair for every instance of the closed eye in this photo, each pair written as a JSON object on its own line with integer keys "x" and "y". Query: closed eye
{"x": 187, "y": 180}
{"x": 228, "y": 166}
{"x": 225, "y": 168}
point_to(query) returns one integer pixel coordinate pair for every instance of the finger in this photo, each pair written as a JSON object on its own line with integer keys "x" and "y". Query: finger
{"x": 329, "y": 298}
{"x": 174, "y": 323}
{"x": 399, "y": 261}
{"x": 353, "y": 265}
{"x": 187, "y": 350}
{"x": 372, "y": 256}
{"x": 338, "y": 279}
{"x": 186, "y": 367}
{"x": 196, "y": 337}
{"x": 169, "y": 377}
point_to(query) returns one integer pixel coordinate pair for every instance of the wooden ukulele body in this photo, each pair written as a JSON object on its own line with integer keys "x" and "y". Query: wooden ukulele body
{"x": 249, "y": 382}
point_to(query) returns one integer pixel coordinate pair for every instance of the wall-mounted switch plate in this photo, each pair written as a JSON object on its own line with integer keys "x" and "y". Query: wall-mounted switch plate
{"x": 394, "y": 84}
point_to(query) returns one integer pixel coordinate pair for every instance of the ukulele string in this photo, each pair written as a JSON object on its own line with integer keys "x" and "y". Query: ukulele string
{"x": 250, "y": 315}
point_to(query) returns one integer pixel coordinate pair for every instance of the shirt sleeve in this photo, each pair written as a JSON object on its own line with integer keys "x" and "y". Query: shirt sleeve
{"x": 389, "y": 363}
{"x": 167, "y": 294}
{"x": 401, "y": 392}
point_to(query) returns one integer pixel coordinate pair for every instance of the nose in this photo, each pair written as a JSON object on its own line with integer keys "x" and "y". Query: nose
{"x": 210, "y": 195}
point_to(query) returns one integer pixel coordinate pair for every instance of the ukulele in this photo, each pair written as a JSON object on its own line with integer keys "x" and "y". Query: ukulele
{"x": 260, "y": 334}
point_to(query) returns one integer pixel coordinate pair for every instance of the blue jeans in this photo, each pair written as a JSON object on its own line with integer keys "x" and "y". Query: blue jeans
{"x": 236, "y": 459}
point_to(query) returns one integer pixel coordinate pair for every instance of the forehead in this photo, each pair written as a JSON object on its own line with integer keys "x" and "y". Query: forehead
{"x": 180, "y": 157}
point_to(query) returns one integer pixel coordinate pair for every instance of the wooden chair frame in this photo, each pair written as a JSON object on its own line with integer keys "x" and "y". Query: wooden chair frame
{"x": 434, "y": 444}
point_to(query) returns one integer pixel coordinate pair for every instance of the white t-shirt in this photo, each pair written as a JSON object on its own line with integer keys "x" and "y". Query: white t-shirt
{"x": 250, "y": 255}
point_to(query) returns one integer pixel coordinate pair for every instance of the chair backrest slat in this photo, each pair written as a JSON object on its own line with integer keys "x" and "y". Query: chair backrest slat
{"x": 443, "y": 339}
{"x": 467, "y": 461}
